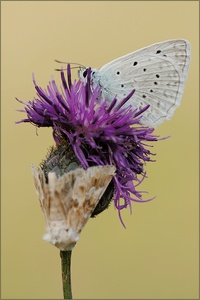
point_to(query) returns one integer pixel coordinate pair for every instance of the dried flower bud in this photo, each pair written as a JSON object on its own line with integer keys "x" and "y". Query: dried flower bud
{"x": 69, "y": 200}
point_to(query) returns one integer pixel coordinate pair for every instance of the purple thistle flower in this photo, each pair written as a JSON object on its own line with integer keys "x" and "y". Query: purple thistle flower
{"x": 100, "y": 133}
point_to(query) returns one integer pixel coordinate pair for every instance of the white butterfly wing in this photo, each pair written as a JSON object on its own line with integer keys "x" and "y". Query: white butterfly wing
{"x": 157, "y": 73}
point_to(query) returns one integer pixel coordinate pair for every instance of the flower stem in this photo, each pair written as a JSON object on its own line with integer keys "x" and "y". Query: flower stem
{"x": 66, "y": 273}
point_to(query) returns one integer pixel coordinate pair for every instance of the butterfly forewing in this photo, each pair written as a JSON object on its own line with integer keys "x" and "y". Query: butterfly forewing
{"x": 157, "y": 73}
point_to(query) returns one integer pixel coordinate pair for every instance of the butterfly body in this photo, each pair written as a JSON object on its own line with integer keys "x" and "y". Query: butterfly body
{"x": 157, "y": 73}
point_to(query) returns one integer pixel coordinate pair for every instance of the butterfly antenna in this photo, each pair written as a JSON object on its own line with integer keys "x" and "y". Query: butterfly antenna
{"x": 78, "y": 67}
{"x": 65, "y": 62}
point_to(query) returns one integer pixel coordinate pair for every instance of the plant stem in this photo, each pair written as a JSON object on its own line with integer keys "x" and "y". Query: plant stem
{"x": 66, "y": 273}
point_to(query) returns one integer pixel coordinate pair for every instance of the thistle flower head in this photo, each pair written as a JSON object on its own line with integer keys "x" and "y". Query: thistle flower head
{"x": 100, "y": 133}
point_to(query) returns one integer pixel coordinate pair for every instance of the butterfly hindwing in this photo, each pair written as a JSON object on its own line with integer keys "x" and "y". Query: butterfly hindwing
{"x": 157, "y": 73}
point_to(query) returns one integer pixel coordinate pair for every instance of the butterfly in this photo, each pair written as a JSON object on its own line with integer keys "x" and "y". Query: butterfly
{"x": 157, "y": 73}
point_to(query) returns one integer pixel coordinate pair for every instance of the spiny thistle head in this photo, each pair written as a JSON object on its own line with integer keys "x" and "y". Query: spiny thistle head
{"x": 100, "y": 133}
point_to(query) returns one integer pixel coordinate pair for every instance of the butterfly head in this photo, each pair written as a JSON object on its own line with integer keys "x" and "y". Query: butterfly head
{"x": 83, "y": 72}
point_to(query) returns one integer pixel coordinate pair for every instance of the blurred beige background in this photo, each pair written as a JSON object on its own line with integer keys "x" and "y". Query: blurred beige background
{"x": 156, "y": 257}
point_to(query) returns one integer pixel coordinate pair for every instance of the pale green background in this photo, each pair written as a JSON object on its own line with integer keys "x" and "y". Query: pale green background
{"x": 157, "y": 255}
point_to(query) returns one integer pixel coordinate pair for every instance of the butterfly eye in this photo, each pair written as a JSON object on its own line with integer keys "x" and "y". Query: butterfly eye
{"x": 85, "y": 73}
